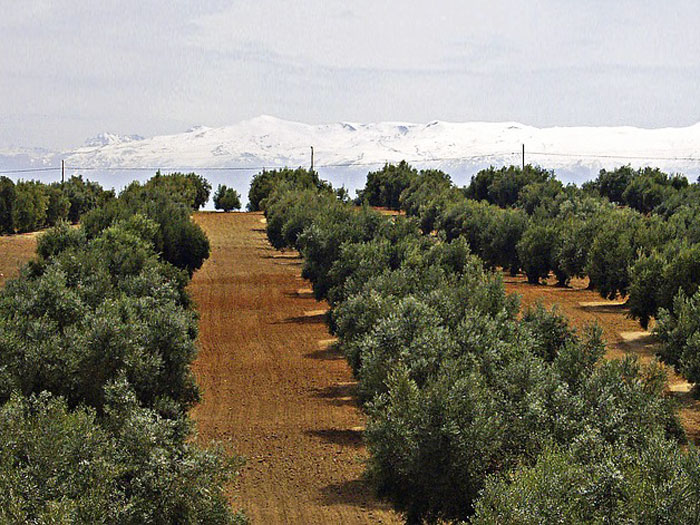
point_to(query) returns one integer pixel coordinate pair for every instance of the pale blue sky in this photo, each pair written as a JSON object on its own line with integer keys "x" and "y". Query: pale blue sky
{"x": 71, "y": 69}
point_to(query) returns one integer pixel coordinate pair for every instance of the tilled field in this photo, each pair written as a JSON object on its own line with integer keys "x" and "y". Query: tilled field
{"x": 272, "y": 390}
{"x": 15, "y": 250}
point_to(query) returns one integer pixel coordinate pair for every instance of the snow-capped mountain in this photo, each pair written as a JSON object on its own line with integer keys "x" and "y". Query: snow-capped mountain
{"x": 109, "y": 139}
{"x": 345, "y": 151}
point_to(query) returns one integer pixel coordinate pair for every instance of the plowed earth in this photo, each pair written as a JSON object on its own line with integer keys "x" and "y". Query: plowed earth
{"x": 272, "y": 388}
{"x": 15, "y": 251}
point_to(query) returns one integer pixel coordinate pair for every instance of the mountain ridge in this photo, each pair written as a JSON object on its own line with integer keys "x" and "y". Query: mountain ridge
{"x": 575, "y": 153}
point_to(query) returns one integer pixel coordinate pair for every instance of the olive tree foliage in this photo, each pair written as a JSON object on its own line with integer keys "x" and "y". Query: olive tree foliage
{"x": 594, "y": 482}
{"x": 94, "y": 311}
{"x": 265, "y": 182}
{"x": 177, "y": 239}
{"x": 503, "y": 186}
{"x": 657, "y": 277}
{"x": 31, "y": 205}
{"x": 83, "y": 195}
{"x": 427, "y": 196}
{"x": 188, "y": 188}
{"x": 423, "y": 186}
{"x": 288, "y": 212}
{"x": 461, "y": 388}
{"x": 572, "y": 251}
{"x": 611, "y": 253}
{"x": 491, "y": 409}
{"x": 384, "y": 187}
{"x": 321, "y": 241}
{"x": 29, "y": 208}
{"x": 537, "y": 249}
{"x": 8, "y": 196}
{"x": 58, "y": 206}
{"x": 539, "y": 196}
{"x": 96, "y": 340}
{"x": 62, "y": 465}
{"x": 679, "y": 332}
{"x": 226, "y": 199}
{"x": 645, "y": 189}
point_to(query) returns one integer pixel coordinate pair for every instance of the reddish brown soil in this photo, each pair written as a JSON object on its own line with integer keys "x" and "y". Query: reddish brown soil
{"x": 271, "y": 388}
{"x": 622, "y": 334}
{"x": 15, "y": 250}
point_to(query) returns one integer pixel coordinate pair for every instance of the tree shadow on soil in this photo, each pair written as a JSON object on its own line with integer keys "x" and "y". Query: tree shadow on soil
{"x": 346, "y": 437}
{"x": 326, "y": 354}
{"x": 303, "y": 295}
{"x": 336, "y": 391}
{"x": 604, "y": 308}
{"x": 304, "y": 319}
{"x": 354, "y": 492}
{"x": 339, "y": 395}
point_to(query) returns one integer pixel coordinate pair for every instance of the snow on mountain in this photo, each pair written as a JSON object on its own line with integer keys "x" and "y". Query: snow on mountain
{"x": 346, "y": 151}
{"x": 575, "y": 153}
{"x": 108, "y": 139}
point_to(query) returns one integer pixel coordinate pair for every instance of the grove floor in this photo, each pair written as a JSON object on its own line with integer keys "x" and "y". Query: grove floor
{"x": 272, "y": 389}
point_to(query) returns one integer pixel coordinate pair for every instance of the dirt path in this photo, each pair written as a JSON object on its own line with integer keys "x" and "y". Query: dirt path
{"x": 271, "y": 388}
{"x": 622, "y": 334}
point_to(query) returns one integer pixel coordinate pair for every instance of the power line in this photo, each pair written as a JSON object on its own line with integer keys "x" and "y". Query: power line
{"x": 347, "y": 164}
{"x": 626, "y": 157}
{"x": 29, "y": 170}
{"x": 253, "y": 168}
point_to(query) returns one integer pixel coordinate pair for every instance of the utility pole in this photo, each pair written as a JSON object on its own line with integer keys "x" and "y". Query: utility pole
{"x": 63, "y": 172}
{"x": 312, "y": 158}
{"x": 523, "y": 158}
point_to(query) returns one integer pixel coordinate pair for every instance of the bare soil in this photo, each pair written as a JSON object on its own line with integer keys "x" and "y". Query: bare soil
{"x": 273, "y": 388}
{"x": 15, "y": 251}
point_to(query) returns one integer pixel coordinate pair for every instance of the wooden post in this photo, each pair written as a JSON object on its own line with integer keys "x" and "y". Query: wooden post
{"x": 312, "y": 158}
{"x": 63, "y": 172}
{"x": 523, "y": 158}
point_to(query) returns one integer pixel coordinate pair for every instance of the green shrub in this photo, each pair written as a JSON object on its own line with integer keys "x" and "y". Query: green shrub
{"x": 290, "y": 211}
{"x": 537, "y": 251}
{"x": 550, "y": 330}
{"x": 679, "y": 332}
{"x": 83, "y": 196}
{"x": 320, "y": 242}
{"x": 8, "y": 195}
{"x": 575, "y": 238}
{"x": 188, "y": 188}
{"x": 384, "y": 187}
{"x": 69, "y": 466}
{"x": 460, "y": 392}
{"x": 503, "y": 186}
{"x": 612, "y": 252}
{"x": 264, "y": 183}
{"x": 504, "y": 231}
{"x": 593, "y": 482}
{"x": 423, "y": 187}
{"x": 94, "y": 312}
{"x": 58, "y": 206}
{"x": 29, "y": 208}
{"x": 226, "y": 199}
{"x": 177, "y": 238}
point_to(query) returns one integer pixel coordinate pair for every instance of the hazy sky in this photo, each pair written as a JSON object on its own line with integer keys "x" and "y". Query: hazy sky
{"x": 71, "y": 69}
